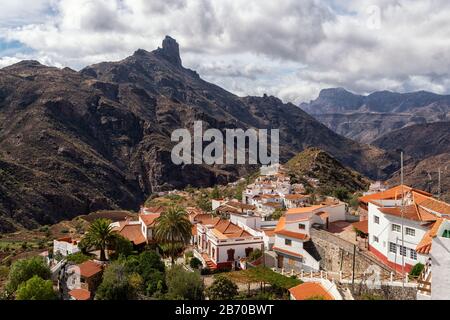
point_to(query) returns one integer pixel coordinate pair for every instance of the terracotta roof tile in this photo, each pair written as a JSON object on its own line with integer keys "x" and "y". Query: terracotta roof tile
{"x": 304, "y": 209}
{"x": 362, "y": 226}
{"x": 288, "y": 252}
{"x": 310, "y": 290}
{"x": 424, "y": 246}
{"x": 89, "y": 269}
{"x": 80, "y": 294}
{"x": 292, "y": 234}
{"x": 133, "y": 233}
{"x": 149, "y": 219}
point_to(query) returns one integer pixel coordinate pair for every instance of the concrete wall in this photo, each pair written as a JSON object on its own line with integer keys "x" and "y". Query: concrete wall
{"x": 440, "y": 269}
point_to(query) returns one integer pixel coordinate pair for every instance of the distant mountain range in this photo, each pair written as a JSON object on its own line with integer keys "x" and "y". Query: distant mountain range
{"x": 366, "y": 118}
{"x": 426, "y": 148}
{"x": 75, "y": 142}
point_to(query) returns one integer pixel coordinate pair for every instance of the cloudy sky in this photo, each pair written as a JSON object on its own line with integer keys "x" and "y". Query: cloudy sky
{"x": 287, "y": 48}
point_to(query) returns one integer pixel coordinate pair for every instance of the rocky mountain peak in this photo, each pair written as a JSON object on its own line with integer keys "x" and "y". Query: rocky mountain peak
{"x": 170, "y": 51}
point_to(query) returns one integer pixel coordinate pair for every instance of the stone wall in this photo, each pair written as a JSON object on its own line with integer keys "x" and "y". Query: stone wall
{"x": 337, "y": 254}
{"x": 362, "y": 292}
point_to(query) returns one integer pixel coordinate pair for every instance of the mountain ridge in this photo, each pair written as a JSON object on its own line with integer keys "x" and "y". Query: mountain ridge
{"x": 100, "y": 138}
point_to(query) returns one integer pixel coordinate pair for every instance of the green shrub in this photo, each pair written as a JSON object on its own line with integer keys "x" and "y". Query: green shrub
{"x": 416, "y": 270}
{"x": 195, "y": 263}
{"x": 222, "y": 289}
{"x": 23, "y": 270}
{"x": 78, "y": 258}
{"x": 36, "y": 288}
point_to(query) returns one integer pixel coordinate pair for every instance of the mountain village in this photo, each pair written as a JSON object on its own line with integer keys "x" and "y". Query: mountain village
{"x": 396, "y": 243}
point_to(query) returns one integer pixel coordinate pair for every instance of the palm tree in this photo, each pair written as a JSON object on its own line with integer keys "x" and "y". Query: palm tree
{"x": 173, "y": 230}
{"x": 101, "y": 235}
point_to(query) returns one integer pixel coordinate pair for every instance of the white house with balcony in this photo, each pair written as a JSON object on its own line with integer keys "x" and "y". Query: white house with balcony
{"x": 222, "y": 244}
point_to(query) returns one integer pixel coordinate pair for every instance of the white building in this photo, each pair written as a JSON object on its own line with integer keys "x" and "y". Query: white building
{"x": 293, "y": 232}
{"x": 65, "y": 246}
{"x": 221, "y": 243}
{"x": 296, "y": 200}
{"x": 397, "y": 232}
{"x": 435, "y": 280}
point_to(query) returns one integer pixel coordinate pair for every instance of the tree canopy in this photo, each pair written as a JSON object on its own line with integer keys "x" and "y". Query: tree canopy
{"x": 222, "y": 289}
{"x": 36, "y": 288}
{"x": 23, "y": 270}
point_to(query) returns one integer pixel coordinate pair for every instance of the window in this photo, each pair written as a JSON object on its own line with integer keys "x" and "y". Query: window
{"x": 413, "y": 254}
{"x": 403, "y": 251}
{"x": 375, "y": 239}
{"x": 288, "y": 242}
{"x": 396, "y": 228}
{"x": 410, "y": 232}
{"x": 376, "y": 219}
{"x": 392, "y": 247}
{"x": 301, "y": 226}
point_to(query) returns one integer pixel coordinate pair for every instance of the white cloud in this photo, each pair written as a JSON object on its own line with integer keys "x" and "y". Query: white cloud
{"x": 288, "y": 48}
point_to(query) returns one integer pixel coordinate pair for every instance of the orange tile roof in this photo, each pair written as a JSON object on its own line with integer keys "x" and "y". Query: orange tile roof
{"x": 149, "y": 219}
{"x": 269, "y": 232}
{"x": 80, "y": 294}
{"x": 296, "y": 196}
{"x": 295, "y": 254}
{"x": 225, "y": 229}
{"x": 206, "y": 219}
{"x": 89, "y": 269}
{"x": 273, "y": 204}
{"x": 194, "y": 230}
{"x": 281, "y": 223}
{"x": 310, "y": 290}
{"x": 292, "y": 234}
{"x": 362, "y": 226}
{"x": 304, "y": 209}
{"x": 393, "y": 193}
{"x": 424, "y": 246}
{"x": 133, "y": 233}
{"x": 431, "y": 203}
{"x": 411, "y": 212}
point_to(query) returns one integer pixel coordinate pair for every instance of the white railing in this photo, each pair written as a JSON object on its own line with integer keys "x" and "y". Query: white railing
{"x": 341, "y": 278}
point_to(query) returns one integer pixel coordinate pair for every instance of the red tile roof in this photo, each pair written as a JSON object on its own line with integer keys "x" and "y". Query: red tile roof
{"x": 89, "y": 269}
{"x": 133, "y": 233}
{"x": 291, "y": 253}
{"x": 310, "y": 290}
{"x": 80, "y": 294}
{"x": 149, "y": 219}
{"x": 424, "y": 246}
{"x": 362, "y": 226}
{"x": 296, "y": 196}
{"x": 291, "y": 234}
{"x": 227, "y": 230}
{"x": 411, "y": 212}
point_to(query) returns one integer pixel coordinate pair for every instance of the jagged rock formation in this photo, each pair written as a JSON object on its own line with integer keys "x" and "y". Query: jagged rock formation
{"x": 75, "y": 142}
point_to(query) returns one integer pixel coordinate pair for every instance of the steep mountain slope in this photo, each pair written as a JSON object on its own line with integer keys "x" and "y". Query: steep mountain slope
{"x": 366, "y": 118}
{"x": 418, "y": 141}
{"x": 317, "y": 164}
{"x": 426, "y": 148}
{"x": 74, "y": 142}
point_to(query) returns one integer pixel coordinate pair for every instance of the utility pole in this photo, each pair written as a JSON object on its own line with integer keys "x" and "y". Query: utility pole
{"x": 439, "y": 183}
{"x": 402, "y": 213}
{"x": 353, "y": 272}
